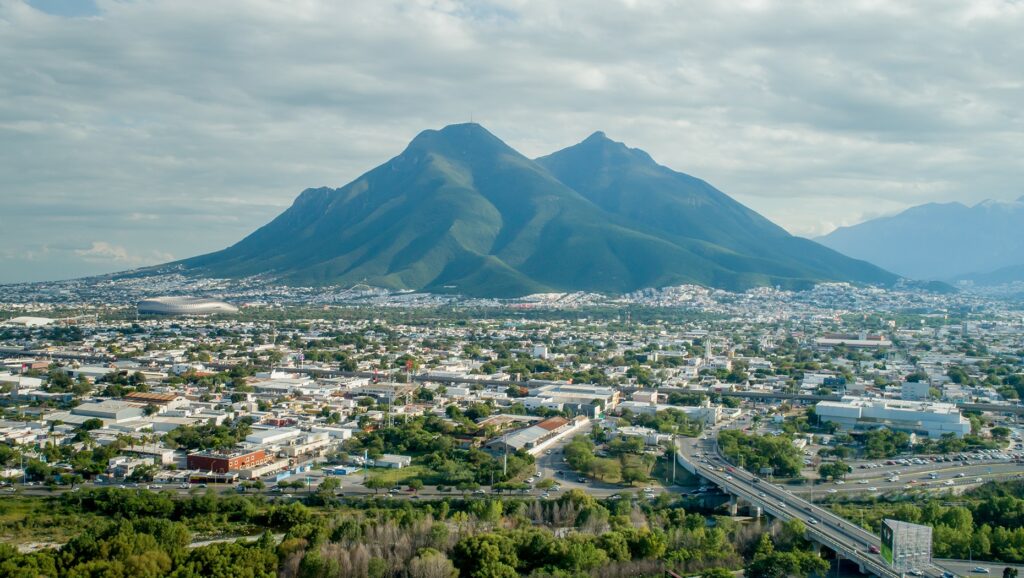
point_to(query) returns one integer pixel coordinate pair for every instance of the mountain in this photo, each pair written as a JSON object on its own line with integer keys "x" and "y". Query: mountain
{"x": 947, "y": 241}
{"x": 460, "y": 211}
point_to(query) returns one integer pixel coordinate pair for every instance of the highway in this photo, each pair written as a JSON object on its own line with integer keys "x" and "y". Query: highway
{"x": 848, "y": 540}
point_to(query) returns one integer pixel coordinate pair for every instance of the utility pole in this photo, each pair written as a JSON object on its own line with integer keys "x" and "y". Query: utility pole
{"x": 504, "y": 469}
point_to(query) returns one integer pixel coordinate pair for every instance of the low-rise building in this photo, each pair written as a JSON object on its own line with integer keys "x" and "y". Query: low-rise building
{"x": 228, "y": 461}
{"x": 923, "y": 418}
{"x": 115, "y": 411}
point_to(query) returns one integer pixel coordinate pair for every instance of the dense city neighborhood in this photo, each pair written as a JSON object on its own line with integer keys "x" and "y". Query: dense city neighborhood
{"x": 841, "y": 394}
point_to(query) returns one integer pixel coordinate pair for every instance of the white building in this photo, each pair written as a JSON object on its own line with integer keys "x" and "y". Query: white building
{"x": 915, "y": 391}
{"x": 110, "y": 410}
{"x": 924, "y": 418}
{"x": 272, "y": 436}
{"x": 708, "y": 414}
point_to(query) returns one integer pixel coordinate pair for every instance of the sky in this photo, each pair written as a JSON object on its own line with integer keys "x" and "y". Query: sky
{"x": 135, "y": 132}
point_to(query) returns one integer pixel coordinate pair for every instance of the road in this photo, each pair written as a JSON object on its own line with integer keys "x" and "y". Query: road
{"x": 845, "y": 538}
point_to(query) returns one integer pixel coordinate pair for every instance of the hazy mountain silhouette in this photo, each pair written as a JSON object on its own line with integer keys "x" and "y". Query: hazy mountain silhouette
{"x": 946, "y": 241}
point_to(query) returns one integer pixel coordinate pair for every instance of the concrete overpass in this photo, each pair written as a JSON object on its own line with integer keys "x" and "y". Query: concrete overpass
{"x": 849, "y": 541}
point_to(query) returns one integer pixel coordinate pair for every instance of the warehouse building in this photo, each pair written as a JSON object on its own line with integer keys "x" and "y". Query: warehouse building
{"x": 923, "y": 418}
{"x": 115, "y": 411}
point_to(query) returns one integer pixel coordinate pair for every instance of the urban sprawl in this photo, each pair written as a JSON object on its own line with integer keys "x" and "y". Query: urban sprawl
{"x": 830, "y": 396}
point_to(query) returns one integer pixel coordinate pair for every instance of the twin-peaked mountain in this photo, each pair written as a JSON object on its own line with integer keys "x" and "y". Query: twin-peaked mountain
{"x": 460, "y": 211}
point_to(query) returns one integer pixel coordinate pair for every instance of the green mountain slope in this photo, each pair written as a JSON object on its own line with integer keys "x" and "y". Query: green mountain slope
{"x": 461, "y": 211}
{"x": 629, "y": 183}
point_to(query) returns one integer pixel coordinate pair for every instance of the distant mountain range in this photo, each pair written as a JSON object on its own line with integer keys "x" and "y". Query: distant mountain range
{"x": 942, "y": 241}
{"x": 460, "y": 211}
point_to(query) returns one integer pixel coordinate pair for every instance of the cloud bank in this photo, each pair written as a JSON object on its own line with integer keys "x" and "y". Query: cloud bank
{"x": 131, "y": 131}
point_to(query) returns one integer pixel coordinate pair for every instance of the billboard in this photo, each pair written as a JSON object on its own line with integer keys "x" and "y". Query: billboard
{"x": 888, "y": 536}
{"x": 906, "y": 546}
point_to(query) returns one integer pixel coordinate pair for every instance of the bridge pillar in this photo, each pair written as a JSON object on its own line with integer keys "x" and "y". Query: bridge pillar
{"x": 733, "y": 505}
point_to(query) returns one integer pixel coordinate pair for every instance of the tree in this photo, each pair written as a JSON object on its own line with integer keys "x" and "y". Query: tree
{"x": 1000, "y": 432}
{"x": 376, "y": 483}
{"x": 416, "y": 485}
{"x": 717, "y": 572}
{"x": 1010, "y": 572}
{"x": 430, "y": 563}
{"x": 466, "y": 487}
{"x": 329, "y": 486}
{"x": 834, "y": 470}
{"x": 486, "y": 556}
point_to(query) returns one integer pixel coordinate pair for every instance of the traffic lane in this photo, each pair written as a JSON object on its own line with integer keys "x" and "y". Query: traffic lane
{"x": 966, "y": 567}
{"x": 839, "y": 536}
{"x": 940, "y": 469}
{"x": 847, "y": 534}
{"x": 783, "y": 496}
{"x": 844, "y": 536}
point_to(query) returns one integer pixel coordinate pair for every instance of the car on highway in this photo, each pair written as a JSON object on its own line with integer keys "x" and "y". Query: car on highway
{"x": 872, "y": 489}
{"x": 873, "y": 549}
{"x": 916, "y": 572}
{"x": 812, "y": 521}
{"x": 981, "y": 570}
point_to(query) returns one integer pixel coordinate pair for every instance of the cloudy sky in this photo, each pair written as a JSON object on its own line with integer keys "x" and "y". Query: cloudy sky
{"x": 133, "y": 132}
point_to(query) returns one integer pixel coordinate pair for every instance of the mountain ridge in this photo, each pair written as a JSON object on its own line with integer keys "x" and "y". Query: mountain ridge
{"x": 460, "y": 210}
{"x": 940, "y": 241}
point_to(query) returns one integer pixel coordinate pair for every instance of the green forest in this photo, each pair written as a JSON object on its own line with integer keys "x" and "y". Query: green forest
{"x": 986, "y": 523}
{"x": 141, "y": 534}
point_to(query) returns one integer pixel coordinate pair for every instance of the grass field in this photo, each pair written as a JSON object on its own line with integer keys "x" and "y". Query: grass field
{"x": 399, "y": 477}
{"x": 38, "y": 520}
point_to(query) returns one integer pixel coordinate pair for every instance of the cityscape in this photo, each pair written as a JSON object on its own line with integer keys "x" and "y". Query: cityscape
{"x": 827, "y": 411}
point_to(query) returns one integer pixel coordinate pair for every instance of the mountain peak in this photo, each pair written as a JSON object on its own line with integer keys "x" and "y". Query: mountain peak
{"x": 456, "y": 132}
{"x": 461, "y": 210}
{"x": 466, "y": 141}
{"x": 599, "y": 148}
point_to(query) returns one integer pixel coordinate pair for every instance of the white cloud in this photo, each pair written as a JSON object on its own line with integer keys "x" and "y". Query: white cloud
{"x": 178, "y": 126}
{"x": 104, "y": 252}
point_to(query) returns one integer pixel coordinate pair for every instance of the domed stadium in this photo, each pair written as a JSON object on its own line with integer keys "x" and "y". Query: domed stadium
{"x": 184, "y": 306}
